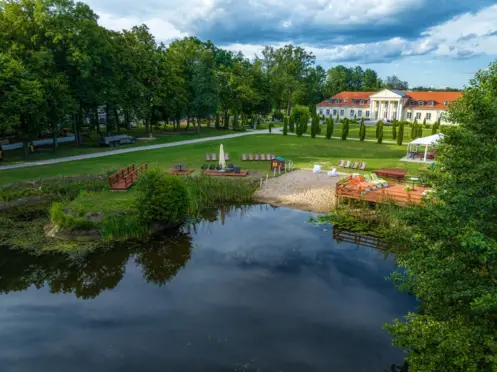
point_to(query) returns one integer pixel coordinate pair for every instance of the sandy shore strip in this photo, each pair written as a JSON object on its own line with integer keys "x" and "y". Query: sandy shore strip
{"x": 300, "y": 189}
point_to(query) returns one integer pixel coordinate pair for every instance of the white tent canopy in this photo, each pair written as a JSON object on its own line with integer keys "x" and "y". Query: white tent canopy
{"x": 424, "y": 141}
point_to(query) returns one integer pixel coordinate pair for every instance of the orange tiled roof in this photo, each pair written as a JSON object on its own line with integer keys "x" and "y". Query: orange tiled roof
{"x": 349, "y": 96}
{"x": 439, "y": 99}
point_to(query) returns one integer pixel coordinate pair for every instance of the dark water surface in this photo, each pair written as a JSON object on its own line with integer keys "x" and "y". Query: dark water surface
{"x": 265, "y": 291}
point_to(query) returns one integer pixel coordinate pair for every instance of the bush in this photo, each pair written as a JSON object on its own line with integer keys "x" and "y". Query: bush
{"x": 314, "y": 126}
{"x": 362, "y": 131}
{"x": 277, "y": 115}
{"x": 345, "y": 129}
{"x": 300, "y": 116}
{"x": 161, "y": 198}
{"x": 217, "y": 123}
{"x": 394, "y": 130}
{"x": 226, "y": 121}
{"x": 400, "y": 135}
{"x": 285, "y": 126}
{"x": 329, "y": 127}
{"x": 291, "y": 124}
{"x": 379, "y": 131}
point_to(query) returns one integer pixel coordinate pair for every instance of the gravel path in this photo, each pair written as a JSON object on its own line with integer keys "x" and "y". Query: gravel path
{"x": 301, "y": 189}
{"x": 133, "y": 149}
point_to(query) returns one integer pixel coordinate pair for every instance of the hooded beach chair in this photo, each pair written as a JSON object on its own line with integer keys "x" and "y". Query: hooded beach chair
{"x": 263, "y": 157}
{"x": 244, "y": 157}
{"x": 355, "y": 165}
{"x": 207, "y": 157}
{"x": 341, "y": 164}
{"x": 256, "y": 156}
{"x": 251, "y": 157}
{"x": 363, "y": 166}
{"x": 214, "y": 157}
{"x": 347, "y": 164}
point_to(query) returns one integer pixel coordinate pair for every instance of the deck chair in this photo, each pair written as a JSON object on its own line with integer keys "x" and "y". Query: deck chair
{"x": 273, "y": 156}
{"x": 244, "y": 157}
{"x": 347, "y": 164}
{"x": 213, "y": 157}
{"x": 207, "y": 157}
{"x": 378, "y": 184}
{"x": 256, "y": 156}
{"x": 263, "y": 157}
{"x": 268, "y": 157}
{"x": 363, "y": 166}
{"x": 355, "y": 165}
{"x": 251, "y": 157}
{"x": 375, "y": 177}
{"x": 226, "y": 156}
{"x": 342, "y": 163}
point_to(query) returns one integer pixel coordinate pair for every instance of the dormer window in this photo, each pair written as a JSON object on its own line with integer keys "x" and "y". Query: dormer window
{"x": 446, "y": 103}
{"x": 420, "y": 103}
{"x": 412, "y": 103}
{"x": 431, "y": 103}
{"x": 362, "y": 102}
{"x": 353, "y": 101}
{"x": 330, "y": 101}
{"x": 346, "y": 101}
{"x": 337, "y": 101}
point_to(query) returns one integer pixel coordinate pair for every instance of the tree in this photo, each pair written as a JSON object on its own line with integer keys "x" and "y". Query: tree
{"x": 414, "y": 129}
{"x": 362, "y": 131}
{"x": 291, "y": 124}
{"x": 393, "y": 82}
{"x": 394, "y": 130}
{"x": 314, "y": 126}
{"x": 285, "y": 126}
{"x": 450, "y": 264}
{"x": 379, "y": 131}
{"x": 300, "y": 116}
{"x": 217, "y": 122}
{"x": 226, "y": 120}
{"x": 345, "y": 129}
{"x": 419, "y": 132}
{"x": 329, "y": 127}
{"x": 435, "y": 127}
{"x": 400, "y": 135}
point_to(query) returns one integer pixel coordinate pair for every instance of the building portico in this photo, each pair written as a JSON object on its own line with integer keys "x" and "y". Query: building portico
{"x": 388, "y": 104}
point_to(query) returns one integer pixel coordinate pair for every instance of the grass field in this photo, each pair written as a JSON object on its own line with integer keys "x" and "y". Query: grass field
{"x": 304, "y": 152}
{"x": 90, "y": 144}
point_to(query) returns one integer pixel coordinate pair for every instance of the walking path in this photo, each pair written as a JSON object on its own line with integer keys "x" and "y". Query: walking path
{"x": 133, "y": 149}
{"x": 160, "y": 146}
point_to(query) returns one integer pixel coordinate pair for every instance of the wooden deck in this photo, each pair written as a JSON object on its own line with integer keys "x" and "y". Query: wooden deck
{"x": 242, "y": 173}
{"x": 394, "y": 192}
{"x": 185, "y": 172}
{"x": 126, "y": 177}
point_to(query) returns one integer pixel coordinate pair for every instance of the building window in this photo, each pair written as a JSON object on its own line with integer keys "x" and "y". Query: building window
{"x": 351, "y": 113}
{"x": 431, "y": 103}
{"x": 337, "y": 101}
{"x": 346, "y": 101}
{"x": 412, "y": 103}
{"x": 354, "y": 101}
{"x": 409, "y": 115}
{"x": 428, "y": 116}
{"x": 420, "y": 103}
{"x": 334, "y": 112}
{"x": 367, "y": 114}
{"x": 330, "y": 101}
{"x": 321, "y": 111}
{"x": 342, "y": 112}
{"x": 418, "y": 115}
{"x": 362, "y": 102}
{"x": 359, "y": 113}
{"x": 395, "y": 115}
{"x": 327, "y": 112}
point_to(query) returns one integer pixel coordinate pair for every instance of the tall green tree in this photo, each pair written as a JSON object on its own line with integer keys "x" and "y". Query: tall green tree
{"x": 285, "y": 126}
{"x": 362, "y": 131}
{"x": 394, "y": 129}
{"x": 400, "y": 135}
{"x": 329, "y": 127}
{"x": 379, "y": 131}
{"x": 451, "y": 261}
{"x": 345, "y": 129}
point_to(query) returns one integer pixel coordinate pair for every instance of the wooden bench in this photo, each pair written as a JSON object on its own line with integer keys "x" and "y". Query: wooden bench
{"x": 395, "y": 173}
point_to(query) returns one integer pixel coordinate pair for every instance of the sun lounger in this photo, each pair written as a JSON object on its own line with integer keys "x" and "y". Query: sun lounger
{"x": 237, "y": 169}
{"x": 213, "y": 157}
{"x": 375, "y": 177}
{"x": 244, "y": 157}
{"x": 341, "y": 164}
{"x": 226, "y": 156}
{"x": 268, "y": 157}
{"x": 355, "y": 165}
{"x": 256, "y": 156}
{"x": 363, "y": 166}
{"x": 251, "y": 157}
{"x": 368, "y": 178}
{"x": 347, "y": 164}
{"x": 207, "y": 157}
{"x": 263, "y": 157}
{"x": 273, "y": 156}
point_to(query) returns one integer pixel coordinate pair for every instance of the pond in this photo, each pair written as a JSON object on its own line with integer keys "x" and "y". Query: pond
{"x": 254, "y": 288}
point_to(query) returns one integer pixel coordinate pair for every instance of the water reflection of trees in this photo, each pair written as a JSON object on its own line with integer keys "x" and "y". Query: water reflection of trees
{"x": 88, "y": 275}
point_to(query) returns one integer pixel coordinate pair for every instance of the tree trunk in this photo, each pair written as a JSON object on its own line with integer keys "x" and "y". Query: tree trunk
{"x": 54, "y": 138}
{"x": 117, "y": 120}
{"x": 289, "y": 107}
{"x": 187, "y": 123}
{"x": 107, "y": 127}
{"x": 97, "y": 121}
{"x": 198, "y": 125}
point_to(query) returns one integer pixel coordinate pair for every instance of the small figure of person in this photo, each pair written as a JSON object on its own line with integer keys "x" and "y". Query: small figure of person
{"x": 31, "y": 148}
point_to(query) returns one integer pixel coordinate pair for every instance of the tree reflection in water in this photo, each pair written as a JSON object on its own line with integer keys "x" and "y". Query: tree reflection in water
{"x": 87, "y": 275}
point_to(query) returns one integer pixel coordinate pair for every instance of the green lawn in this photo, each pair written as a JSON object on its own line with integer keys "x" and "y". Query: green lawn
{"x": 303, "y": 151}
{"x": 371, "y": 132}
{"x": 90, "y": 144}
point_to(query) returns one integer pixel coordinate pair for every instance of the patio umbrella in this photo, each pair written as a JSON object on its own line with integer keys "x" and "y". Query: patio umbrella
{"x": 222, "y": 162}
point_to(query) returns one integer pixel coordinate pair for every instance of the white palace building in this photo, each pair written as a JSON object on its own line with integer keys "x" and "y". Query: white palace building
{"x": 388, "y": 105}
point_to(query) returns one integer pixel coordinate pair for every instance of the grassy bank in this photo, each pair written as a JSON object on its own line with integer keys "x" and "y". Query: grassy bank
{"x": 303, "y": 151}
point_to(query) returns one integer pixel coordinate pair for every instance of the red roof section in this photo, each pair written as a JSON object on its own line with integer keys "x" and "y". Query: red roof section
{"x": 439, "y": 99}
{"x": 349, "y": 96}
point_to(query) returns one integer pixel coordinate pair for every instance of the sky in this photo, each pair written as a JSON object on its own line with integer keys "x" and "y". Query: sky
{"x": 433, "y": 43}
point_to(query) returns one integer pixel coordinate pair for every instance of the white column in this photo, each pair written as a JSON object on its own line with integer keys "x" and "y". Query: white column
{"x": 399, "y": 110}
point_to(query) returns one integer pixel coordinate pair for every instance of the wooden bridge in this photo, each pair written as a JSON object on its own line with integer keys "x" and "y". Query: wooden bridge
{"x": 362, "y": 240}
{"x": 394, "y": 192}
{"x": 125, "y": 178}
